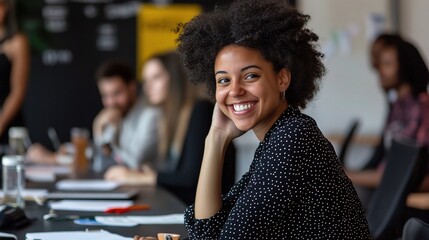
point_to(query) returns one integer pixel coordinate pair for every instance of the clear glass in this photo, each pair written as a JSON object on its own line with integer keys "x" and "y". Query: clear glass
{"x": 13, "y": 180}
{"x": 80, "y": 139}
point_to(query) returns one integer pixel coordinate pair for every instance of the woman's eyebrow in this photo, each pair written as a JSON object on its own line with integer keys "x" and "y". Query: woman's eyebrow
{"x": 242, "y": 70}
{"x": 250, "y": 66}
{"x": 220, "y": 72}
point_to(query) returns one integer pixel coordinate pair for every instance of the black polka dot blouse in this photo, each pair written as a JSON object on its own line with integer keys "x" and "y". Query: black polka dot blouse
{"x": 295, "y": 189}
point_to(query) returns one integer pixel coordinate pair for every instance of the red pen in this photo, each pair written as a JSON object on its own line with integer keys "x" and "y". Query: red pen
{"x": 119, "y": 210}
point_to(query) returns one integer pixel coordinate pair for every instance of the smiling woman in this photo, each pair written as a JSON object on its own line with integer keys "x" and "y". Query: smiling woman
{"x": 261, "y": 64}
{"x": 248, "y": 90}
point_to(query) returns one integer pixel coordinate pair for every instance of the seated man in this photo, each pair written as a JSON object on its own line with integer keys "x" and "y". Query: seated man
{"x": 124, "y": 131}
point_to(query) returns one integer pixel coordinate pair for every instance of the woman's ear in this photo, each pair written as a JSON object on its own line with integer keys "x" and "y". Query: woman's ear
{"x": 284, "y": 77}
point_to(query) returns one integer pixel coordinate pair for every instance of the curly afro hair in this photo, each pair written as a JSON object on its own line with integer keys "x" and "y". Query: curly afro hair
{"x": 270, "y": 26}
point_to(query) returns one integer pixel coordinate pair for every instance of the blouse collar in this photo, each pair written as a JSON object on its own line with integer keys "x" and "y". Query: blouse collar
{"x": 290, "y": 112}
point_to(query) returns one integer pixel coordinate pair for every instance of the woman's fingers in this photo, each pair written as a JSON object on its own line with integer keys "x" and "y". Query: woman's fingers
{"x": 137, "y": 237}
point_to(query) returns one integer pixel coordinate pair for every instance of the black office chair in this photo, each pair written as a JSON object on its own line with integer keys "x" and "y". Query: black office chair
{"x": 404, "y": 171}
{"x": 415, "y": 229}
{"x": 346, "y": 143}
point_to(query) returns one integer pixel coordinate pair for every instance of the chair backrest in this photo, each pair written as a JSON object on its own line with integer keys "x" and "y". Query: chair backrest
{"x": 229, "y": 167}
{"x": 346, "y": 143}
{"x": 405, "y": 167}
{"x": 415, "y": 229}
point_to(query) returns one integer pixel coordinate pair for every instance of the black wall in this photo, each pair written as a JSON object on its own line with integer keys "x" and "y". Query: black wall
{"x": 62, "y": 92}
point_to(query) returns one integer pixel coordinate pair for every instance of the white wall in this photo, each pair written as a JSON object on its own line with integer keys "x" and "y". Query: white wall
{"x": 414, "y": 17}
{"x": 350, "y": 88}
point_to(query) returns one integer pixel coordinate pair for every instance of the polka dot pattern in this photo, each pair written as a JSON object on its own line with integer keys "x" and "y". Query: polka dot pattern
{"x": 295, "y": 189}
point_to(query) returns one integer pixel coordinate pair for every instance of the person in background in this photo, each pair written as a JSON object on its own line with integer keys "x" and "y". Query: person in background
{"x": 184, "y": 123}
{"x": 14, "y": 70}
{"x": 262, "y": 68}
{"x": 402, "y": 70}
{"x": 378, "y": 44}
{"x": 382, "y": 40}
{"x": 124, "y": 130}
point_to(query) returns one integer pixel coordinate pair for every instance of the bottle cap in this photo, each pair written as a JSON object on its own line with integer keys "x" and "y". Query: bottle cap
{"x": 18, "y": 132}
{"x": 12, "y": 160}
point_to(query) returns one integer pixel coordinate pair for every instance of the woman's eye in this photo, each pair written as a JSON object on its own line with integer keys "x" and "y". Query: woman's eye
{"x": 222, "y": 80}
{"x": 251, "y": 76}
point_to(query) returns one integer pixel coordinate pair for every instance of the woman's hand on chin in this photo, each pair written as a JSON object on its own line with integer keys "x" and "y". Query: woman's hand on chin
{"x": 221, "y": 124}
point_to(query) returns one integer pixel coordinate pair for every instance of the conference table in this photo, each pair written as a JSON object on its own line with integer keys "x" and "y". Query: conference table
{"x": 160, "y": 201}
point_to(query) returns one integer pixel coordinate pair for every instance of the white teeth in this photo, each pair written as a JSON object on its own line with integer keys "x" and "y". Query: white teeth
{"x": 242, "y": 107}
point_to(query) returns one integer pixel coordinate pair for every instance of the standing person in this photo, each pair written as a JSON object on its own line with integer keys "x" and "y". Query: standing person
{"x": 124, "y": 129}
{"x": 14, "y": 69}
{"x": 185, "y": 121}
{"x": 262, "y": 64}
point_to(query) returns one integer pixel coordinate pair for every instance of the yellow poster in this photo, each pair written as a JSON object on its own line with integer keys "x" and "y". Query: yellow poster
{"x": 154, "y": 28}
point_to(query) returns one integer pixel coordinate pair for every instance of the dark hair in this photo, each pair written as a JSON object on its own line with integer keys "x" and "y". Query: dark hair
{"x": 412, "y": 67}
{"x": 115, "y": 68}
{"x": 378, "y": 43}
{"x": 272, "y": 27}
{"x": 388, "y": 38}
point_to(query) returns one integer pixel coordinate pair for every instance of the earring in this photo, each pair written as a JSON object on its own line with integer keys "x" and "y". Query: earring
{"x": 283, "y": 96}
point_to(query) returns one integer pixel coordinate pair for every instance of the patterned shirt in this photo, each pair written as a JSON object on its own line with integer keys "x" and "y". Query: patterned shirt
{"x": 295, "y": 189}
{"x": 409, "y": 120}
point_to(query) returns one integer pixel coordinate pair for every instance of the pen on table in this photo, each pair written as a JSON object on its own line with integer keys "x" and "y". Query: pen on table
{"x": 55, "y": 217}
{"x": 53, "y": 136}
{"x": 120, "y": 210}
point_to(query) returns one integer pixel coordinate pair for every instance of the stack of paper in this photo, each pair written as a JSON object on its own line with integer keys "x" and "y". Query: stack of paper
{"x": 43, "y": 173}
{"x": 86, "y": 185}
{"x": 144, "y": 220}
{"x": 7, "y": 236}
{"x": 96, "y": 235}
{"x": 89, "y": 205}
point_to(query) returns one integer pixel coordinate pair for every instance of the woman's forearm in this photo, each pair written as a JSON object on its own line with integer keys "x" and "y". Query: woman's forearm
{"x": 9, "y": 109}
{"x": 208, "y": 199}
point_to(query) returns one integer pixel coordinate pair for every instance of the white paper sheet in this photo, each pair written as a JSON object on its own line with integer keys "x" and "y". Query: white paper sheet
{"x": 7, "y": 236}
{"x": 177, "y": 218}
{"x": 45, "y": 173}
{"x": 73, "y": 235}
{"x": 31, "y": 193}
{"x": 88, "y": 205}
{"x": 39, "y": 175}
{"x": 130, "y": 221}
{"x": 86, "y": 185}
{"x": 115, "y": 221}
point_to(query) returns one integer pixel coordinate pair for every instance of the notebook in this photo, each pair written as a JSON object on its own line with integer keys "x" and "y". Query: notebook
{"x": 93, "y": 195}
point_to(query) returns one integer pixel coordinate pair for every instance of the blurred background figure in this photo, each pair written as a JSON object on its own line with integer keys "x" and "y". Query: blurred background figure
{"x": 184, "y": 123}
{"x": 14, "y": 69}
{"x": 402, "y": 70}
{"x": 378, "y": 44}
{"x": 125, "y": 128}
{"x": 124, "y": 131}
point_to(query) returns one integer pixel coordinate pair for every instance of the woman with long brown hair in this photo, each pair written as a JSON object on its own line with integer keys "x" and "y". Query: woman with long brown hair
{"x": 184, "y": 124}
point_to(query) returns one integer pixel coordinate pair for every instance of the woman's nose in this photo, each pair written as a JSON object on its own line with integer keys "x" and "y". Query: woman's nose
{"x": 236, "y": 89}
